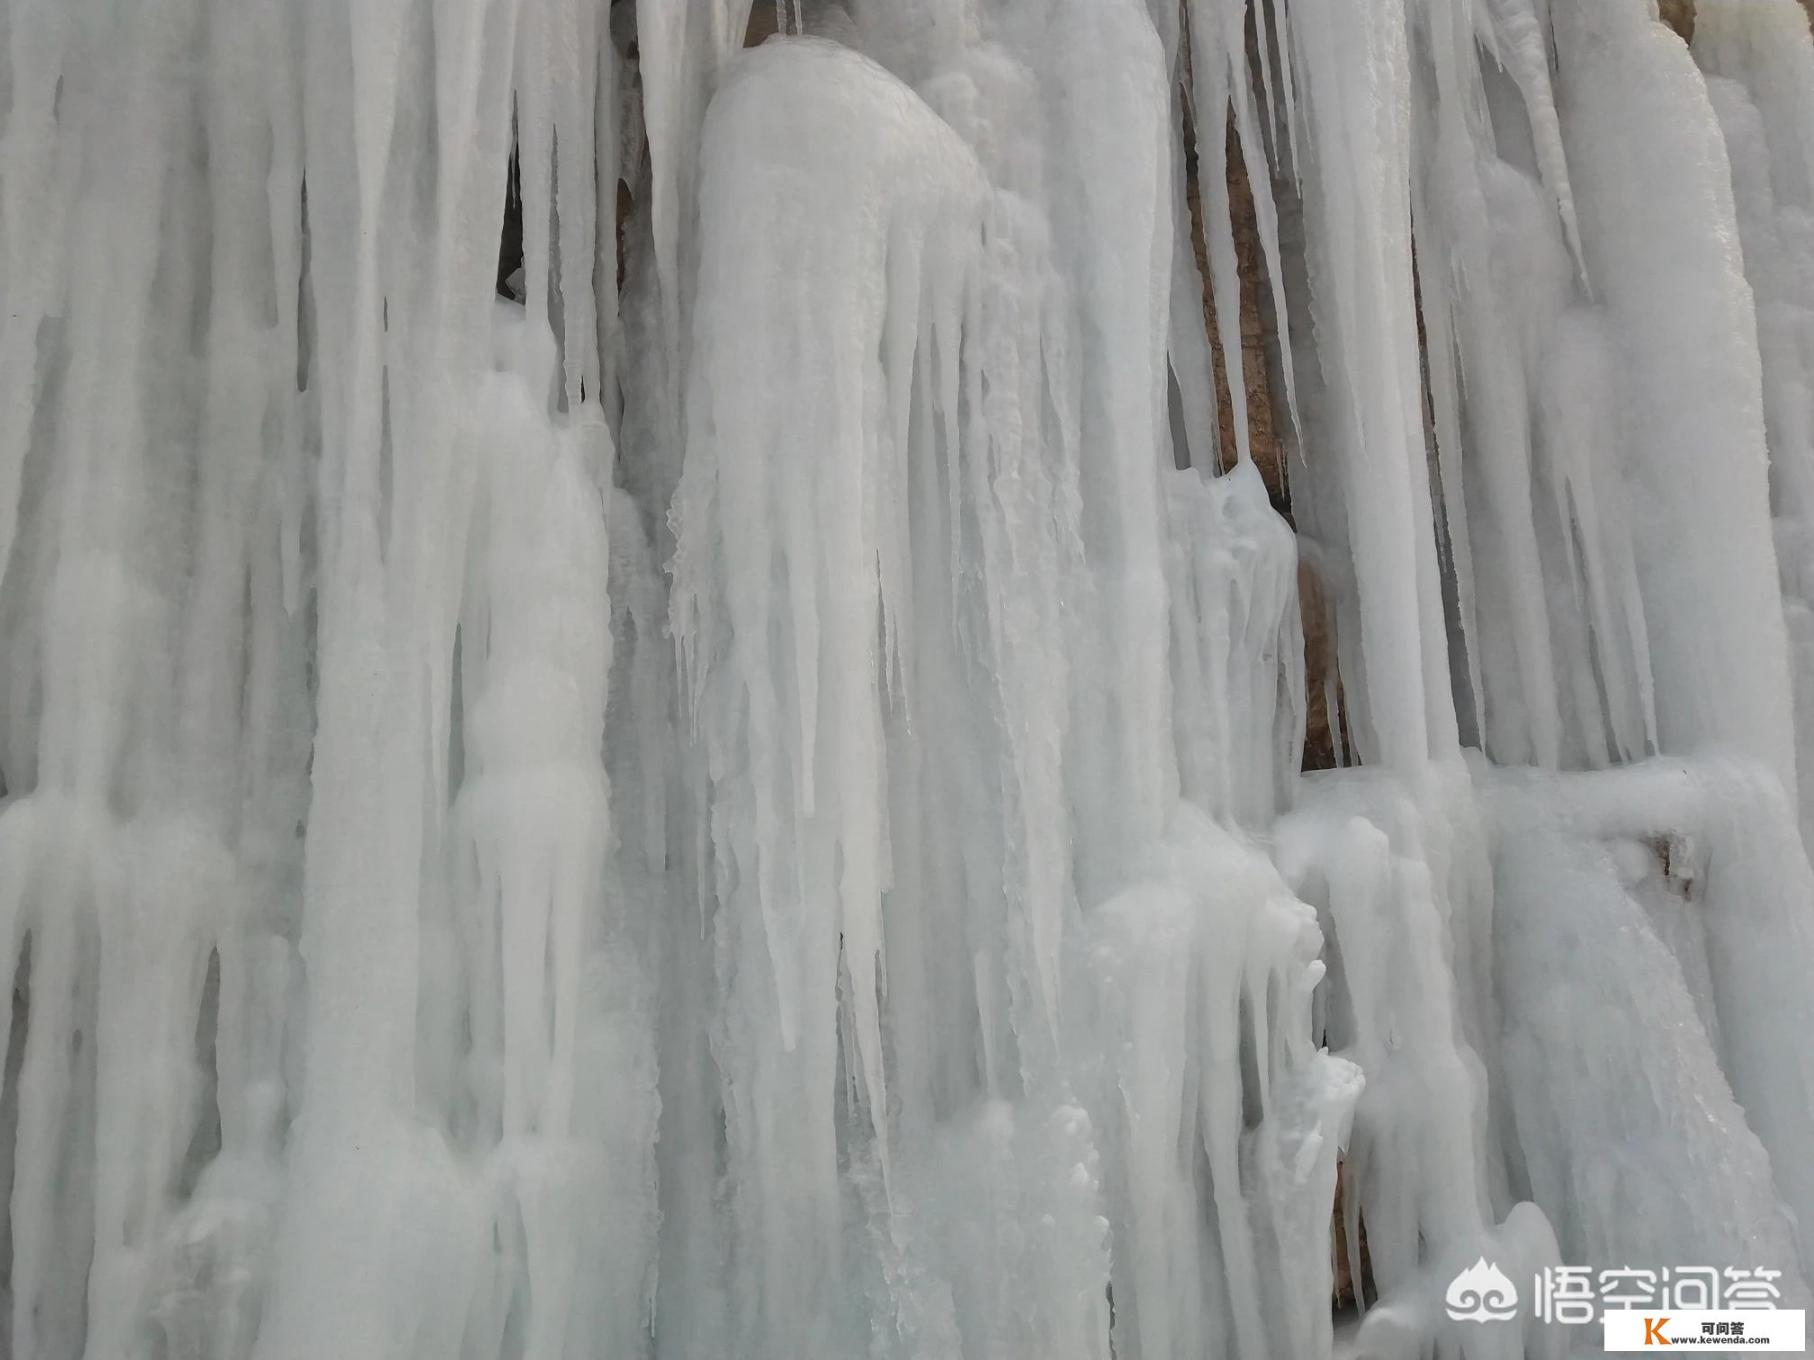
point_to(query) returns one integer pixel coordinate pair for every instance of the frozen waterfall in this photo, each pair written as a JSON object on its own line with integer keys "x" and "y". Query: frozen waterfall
{"x": 899, "y": 679}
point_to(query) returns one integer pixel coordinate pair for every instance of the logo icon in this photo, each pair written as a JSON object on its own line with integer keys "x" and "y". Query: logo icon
{"x": 1481, "y": 1293}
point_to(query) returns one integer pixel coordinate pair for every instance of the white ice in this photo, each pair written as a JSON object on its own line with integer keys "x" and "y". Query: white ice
{"x": 738, "y": 792}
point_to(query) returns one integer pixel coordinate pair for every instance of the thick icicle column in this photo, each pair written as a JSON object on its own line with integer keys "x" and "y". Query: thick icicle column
{"x": 655, "y": 698}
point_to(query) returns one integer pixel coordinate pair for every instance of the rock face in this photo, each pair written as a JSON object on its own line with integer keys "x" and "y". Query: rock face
{"x": 1679, "y": 15}
{"x": 1258, "y": 328}
{"x": 1352, "y": 1287}
{"x": 764, "y": 24}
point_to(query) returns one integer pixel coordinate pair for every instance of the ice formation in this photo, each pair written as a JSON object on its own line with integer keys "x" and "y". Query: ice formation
{"x": 737, "y": 791}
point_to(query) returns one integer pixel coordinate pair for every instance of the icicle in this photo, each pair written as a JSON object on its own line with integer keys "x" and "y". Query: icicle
{"x": 1363, "y": 296}
{"x": 1718, "y": 647}
{"x": 1237, "y": 674}
{"x": 1215, "y": 34}
{"x": 795, "y": 742}
{"x": 1114, "y": 185}
{"x": 684, "y": 45}
{"x": 1518, "y": 33}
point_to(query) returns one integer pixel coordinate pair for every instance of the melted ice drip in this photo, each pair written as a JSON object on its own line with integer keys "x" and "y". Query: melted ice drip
{"x": 745, "y": 798}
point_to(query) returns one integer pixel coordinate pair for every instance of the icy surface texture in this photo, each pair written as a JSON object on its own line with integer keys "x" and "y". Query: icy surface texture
{"x": 734, "y": 790}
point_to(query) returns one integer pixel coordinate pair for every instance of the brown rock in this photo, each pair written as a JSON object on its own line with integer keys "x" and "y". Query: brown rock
{"x": 1345, "y": 1283}
{"x": 763, "y": 23}
{"x": 1257, "y": 323}
{"x": 1322, "y": 744}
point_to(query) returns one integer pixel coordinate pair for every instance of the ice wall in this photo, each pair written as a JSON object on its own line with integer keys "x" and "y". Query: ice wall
{"x": 738, "y": 794}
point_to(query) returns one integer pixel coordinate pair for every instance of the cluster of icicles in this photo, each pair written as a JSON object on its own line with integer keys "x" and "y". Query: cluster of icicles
{"x": 755, "y": 814}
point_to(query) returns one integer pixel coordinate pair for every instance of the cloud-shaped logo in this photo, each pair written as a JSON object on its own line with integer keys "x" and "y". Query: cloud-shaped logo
{"x": 1482, "y": 1293}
